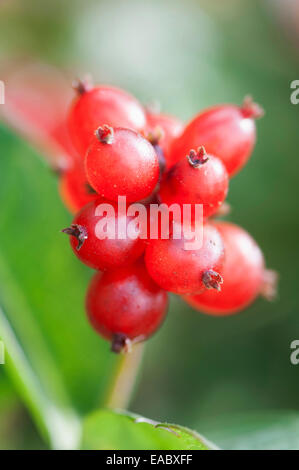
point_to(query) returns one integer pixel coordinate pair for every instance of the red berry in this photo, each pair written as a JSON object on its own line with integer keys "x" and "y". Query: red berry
{"x": 198, "y": 178}
{"x": 243, "y": 273}
{"x": 169, "y": 127}
{"x": 180, "y": 270}
{"x": 125, "y": 305}
{"x": 121, "y": 162}
{"x": 102, "y": 105}
{"x": 226, "y": 131}
{"x": 113, "y": 251}
{"x": 74, "y": 188}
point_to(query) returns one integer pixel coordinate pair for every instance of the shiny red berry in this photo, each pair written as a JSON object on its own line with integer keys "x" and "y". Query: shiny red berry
{"x": 125, "y": 305}
{"x": 169, "y": 127}
{"x": 198, "y": 178}
{"x": 102, "y": 105}
{"x": 243, "y": 272}
{"x": 75, "y": 191}
{"x": 178, "y": 268}
{"x": 226, "y": 131}
{"x": 120, "y": 162}
{"x": 99, "y": 236}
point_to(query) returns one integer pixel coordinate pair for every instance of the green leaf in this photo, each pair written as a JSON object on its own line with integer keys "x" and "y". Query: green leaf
{"x": 107, "y": 430}
{"x": 268, "y": 430}
{"x": 58, "y": 364}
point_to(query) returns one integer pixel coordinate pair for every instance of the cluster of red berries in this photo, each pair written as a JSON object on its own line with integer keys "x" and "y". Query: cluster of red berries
{"x": 126, "y": 150}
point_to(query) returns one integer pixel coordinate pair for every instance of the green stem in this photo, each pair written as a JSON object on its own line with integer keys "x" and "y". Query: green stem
{"x": 124, "y": 380}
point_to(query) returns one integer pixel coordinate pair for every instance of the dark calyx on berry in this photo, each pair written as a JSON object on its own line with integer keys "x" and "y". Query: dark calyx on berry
{"x": 82, "y": 86}
{"x": 250, "y": 109}
{"x": 105, "y": 134}
{"x": 120, "y": 343}
{"x": 77, "y": 231}
{"x": 223, "y": 210}
{"x": 197, "y": 158}
{"x": 212, "y": 280}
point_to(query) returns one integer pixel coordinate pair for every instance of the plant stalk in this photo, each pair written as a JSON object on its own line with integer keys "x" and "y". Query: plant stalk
{"x": 124, "y": 380}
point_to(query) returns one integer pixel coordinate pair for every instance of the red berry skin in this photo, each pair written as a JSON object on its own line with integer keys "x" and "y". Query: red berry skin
{"x": 226, "y": 131}
{"x": 107, "y": 253}
{"x": 74, "y": 189}
{"x": 243, "y": 274}
{"x": 102, "y": 105}
{"x": 128, "y": 166}
{"x": 170, "y": 126}
{"x": 126, "y": 303}
{"x": 182, "y": 271}
{"x": 189, "y": 183}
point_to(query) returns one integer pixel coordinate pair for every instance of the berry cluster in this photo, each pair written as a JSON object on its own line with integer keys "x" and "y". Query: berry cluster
{"x": 123, "y": 149}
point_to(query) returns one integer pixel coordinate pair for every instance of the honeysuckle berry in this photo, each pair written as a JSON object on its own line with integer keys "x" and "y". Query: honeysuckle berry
{"x": 104, "y": 249}
{"x": 226, "y": 131}
{"x": 180, "y": 270}
{"x": 198, "y": 178}
{"x": 120, "y": 162}
{"x": 125, "y": 305}
{"x": 94, "y": 107}
{"x": 244, "y": 274}
{"x": 74, "y": 189}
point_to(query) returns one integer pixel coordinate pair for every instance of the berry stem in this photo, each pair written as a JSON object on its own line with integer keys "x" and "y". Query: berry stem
{"x": 124, "y": 380}
{"x": 250, "y": 109}
{"x": 76, "y": 231}
{"x": 155, "y": 135}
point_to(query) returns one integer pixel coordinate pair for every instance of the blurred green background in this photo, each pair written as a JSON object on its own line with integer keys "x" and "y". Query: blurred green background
{"x": 211, "y": 374}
